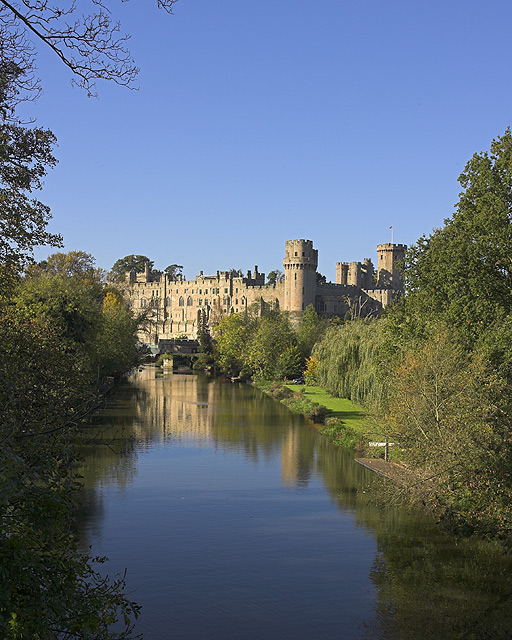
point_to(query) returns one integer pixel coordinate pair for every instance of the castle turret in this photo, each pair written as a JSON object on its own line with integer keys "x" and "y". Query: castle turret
{"x": 388, "y": 274}
{"x": 341, "y": 272}
{"x": 300, "y": 263}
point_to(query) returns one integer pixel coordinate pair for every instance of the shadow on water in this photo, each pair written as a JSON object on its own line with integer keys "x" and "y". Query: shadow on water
{"x": 427, "y": 585}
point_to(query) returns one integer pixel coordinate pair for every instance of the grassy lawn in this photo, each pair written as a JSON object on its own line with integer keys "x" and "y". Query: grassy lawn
{"x": 352, "y": 414}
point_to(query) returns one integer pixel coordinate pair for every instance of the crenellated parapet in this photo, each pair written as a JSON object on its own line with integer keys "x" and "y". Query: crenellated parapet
{"x": 389, "y": 275}
{"x": 174, "y": 306}
{"x": 300, "y": 264}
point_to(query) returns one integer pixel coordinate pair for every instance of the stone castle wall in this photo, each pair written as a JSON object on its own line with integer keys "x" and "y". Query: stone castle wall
{"x": 172, "y": 307}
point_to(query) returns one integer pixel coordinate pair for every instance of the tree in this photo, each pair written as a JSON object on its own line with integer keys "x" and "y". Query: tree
{"x": 44, "y": 393}
{"x": 310, "y": 330}
{"x": 25, "y": 154}
{"x": 88, "y": 42}
{"x": 116, "y": 348}
{"x": 275, "y": 277}
{"x": 73, "y": 305}
{"x": 231, "y": 339}
{"x": 67, "y": 265}
{"x": 173, "y": 270}
{"x": 129, "y": 263}
{"x": 463, "y": 272}
{"x": 446, "y": 411}
{"x": 272, "y": 350}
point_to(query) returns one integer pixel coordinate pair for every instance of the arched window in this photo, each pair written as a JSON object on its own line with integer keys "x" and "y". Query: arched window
{"x": 189, "y": 301}
{"x": 143, "y": 302}
{"x": 181, "y": 301}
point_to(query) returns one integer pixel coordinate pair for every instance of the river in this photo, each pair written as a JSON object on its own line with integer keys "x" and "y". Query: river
{"x": 236, "y": 520}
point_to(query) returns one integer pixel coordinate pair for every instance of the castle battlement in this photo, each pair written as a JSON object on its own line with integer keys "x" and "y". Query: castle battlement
{"x": 174, "y": 306}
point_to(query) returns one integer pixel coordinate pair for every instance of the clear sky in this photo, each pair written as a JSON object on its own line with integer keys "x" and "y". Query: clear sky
{"x": 258, "y": 122}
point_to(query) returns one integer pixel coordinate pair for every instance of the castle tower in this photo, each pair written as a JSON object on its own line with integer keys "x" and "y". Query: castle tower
{"x": 388, "y": 274}
{"x": 300, "y": 263}
{"x": 341, "y": 272}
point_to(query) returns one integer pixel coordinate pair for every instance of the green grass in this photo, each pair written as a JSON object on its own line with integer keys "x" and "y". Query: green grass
{"x": 352, "y": 415}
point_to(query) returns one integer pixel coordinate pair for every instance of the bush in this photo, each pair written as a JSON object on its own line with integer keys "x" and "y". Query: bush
{"x": 312, "y": 410}
{"x": 341, "y": 434}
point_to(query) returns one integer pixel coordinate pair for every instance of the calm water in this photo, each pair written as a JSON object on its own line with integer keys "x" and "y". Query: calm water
{"x": 237, "y": 520}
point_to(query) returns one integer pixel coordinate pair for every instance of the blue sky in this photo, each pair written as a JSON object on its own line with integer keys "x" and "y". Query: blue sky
{"x": 255, "y": 123}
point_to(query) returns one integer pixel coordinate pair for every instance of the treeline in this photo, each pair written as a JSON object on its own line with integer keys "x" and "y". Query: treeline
{"x": 265, "y": 347}
{"x": 62, "y": 332}
{"x": 436, "y": 371}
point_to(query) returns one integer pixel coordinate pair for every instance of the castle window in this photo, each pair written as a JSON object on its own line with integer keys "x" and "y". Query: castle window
{"x": 296, "y": 253}
{"x": 189, "y": 301}
{"x": 236, "y": 301}
{"x": 200, "y": 302}
{"x": 236, "y": 291}
{"x": 181, "y": 301}
{"x": 225, "y": 290}
{"x": 205, "y": 291}
{"x": 143, "y": 302}
{"x": 303, "y": 254}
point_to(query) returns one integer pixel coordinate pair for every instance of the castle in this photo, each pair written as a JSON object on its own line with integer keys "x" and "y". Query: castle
{"x": 173, "y": 306}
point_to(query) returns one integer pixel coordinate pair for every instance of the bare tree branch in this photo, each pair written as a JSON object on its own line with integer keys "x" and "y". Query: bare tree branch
{"x": 89, "y": 44}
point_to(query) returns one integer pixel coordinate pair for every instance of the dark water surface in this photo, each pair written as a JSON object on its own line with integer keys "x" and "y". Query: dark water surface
{"x": 237, "y": 520}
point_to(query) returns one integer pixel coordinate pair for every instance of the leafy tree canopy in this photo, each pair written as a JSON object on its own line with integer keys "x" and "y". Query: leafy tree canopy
{"x": 173, "y": 270}
{"x": 463, "y": 272}
{"x": 274, "y": 277}
{"x": 84, "y": 37}
{"x": 25, "y": 155}
{"x": 132, "y": 262}
{"x": 74, "y": 264}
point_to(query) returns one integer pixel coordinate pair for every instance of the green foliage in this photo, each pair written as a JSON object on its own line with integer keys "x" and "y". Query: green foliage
{"x": 310, "y": 371}
{"x": 446, "y": 350}
{"x": 341, "y": 434}
{"x": 349, "y": 361}
{"x": 173, "y": 270}
{"x": 204, "y": 336}
{"x": 231, "y": 343}
{"x": 93, "y": 322}
{"x": 310, "y": 330}
{"x": 300, "y": 404}
{"x": 72, "y": 264}
{"x": 264, "y": 347}
{"x": 274, "y": 277}
{"x": 462, "y": 272}
{"x": 272, "y": 351}
{"x": 72, "y": 304}
{"x": 129, "y": 263}
{"x": 25, "y": 155}
{"x": 49, "y": 589}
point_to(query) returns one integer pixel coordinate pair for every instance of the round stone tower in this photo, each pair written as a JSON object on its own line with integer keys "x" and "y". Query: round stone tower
{"x": 388, "y": 274}
{"x": 300, "y": 263}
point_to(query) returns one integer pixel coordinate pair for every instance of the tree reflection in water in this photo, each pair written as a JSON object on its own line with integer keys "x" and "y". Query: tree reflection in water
{"x": 428, "y": 585}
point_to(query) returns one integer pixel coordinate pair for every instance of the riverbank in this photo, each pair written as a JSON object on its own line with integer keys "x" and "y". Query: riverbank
{"x": 344, "y": 422}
